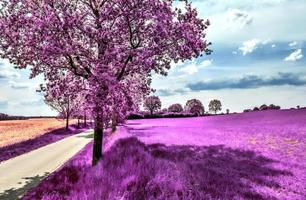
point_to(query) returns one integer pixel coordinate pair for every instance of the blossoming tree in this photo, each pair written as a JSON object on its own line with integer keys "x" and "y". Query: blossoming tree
{"x": 101, "y": 42}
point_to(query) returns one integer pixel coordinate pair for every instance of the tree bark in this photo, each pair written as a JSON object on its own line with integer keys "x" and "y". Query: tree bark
{"x": 85, "y": 123}
{"x": 67, "y": 114}
{"x": 67, "y": 122}
{"x": 98, "y": 140}
{"x": 114, "y": 122}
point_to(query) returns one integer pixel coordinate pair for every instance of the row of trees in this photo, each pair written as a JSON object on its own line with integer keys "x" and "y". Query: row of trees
{"x": 264, "y": 107}
{"x": 99, "y": 53}
{"x": 193, "y": 106}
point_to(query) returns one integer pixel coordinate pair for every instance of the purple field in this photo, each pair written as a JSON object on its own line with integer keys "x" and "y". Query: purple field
{"x": 256, "y": 155}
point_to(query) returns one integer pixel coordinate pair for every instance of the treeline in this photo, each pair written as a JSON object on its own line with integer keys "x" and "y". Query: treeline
{"x": 269, "y": 107}
{"x": 8, "y": 117}
{"x": 4, "y": 117}
{"x": 263, "y": 107}
{"x": 192, "y": 108}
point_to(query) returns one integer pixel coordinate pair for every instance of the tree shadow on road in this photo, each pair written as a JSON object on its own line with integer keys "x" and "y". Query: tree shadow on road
{"x": 16, "y": 193}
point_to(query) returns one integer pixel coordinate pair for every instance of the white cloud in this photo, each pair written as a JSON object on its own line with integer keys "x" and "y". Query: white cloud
{"x": 294, "y": 56}
{"x": 249, "y": 46}
{"x": 267, "y": 41}
{"x": 266, "y": 16}
{"x": 193, "y": 67}
{"x": 273, "y": 45}
{"x": 189, "y": 69}
{"x": 175, "y": 65}
{"x": 292, "y": 44}
{"x": 206, "y": 63}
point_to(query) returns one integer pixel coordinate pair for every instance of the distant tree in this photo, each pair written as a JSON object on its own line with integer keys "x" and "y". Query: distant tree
{"x": 256, "y": 109}
{"x": 215, "y": 106}
{"x": 63, "y": 105}
{"x": 263, "y": 107}
{"x": 298, "y": 107}
{"x": 4, "y": 116}
{"x": 195, "y": 107}
{"x": 273, "y": 107}
{"x": 62, "y": 97}
{"x": 175, "y": 108}
{"x": 227, "y": 111}
{"x": 152, "y": 103}
{"x": 164, "y": 110}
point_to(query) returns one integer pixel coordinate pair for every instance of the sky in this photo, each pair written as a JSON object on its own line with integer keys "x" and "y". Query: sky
{"x": 258, "y": 58}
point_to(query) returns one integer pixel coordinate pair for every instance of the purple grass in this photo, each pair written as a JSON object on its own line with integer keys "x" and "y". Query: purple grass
{"x": 257, "y": 155}
{"x": 11, "y": 151}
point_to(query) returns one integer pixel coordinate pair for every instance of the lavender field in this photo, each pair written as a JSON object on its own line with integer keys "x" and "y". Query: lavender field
{"x": 256, "y": 155}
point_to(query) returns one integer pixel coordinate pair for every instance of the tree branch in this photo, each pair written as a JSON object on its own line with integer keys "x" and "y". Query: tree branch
{"x": 124, "y": 67}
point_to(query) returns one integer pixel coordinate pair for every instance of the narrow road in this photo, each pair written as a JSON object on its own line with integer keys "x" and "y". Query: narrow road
{"x": 21, "y": 173}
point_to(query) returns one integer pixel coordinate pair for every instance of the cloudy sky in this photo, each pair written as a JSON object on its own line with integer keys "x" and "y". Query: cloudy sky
{"x": 259, "y": 57}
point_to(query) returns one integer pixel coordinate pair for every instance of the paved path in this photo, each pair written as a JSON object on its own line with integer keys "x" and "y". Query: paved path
{"x": 21, "y": 173}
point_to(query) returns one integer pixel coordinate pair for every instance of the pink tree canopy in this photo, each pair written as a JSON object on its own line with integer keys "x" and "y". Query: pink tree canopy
{"x": 101, "y": 42}
{"x": 195, "y": 107}
{"x": 175, "y": 108}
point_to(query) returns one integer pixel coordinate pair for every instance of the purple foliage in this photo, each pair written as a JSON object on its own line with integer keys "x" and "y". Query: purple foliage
{"x": 194, "y": 106}
{"x": 152, "y": 104}
{"x": 175, "y": 108}
{"x": 17, "y": 149}
{"x": 256, "y": 155}
{"x": 264, "y": 107}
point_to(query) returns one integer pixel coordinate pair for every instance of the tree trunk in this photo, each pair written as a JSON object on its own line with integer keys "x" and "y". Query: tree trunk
{"x": 78, "y": 122}
{"x": 67, "y": 114}
{"x": 98, "y": 139}
{"x": 114, "y": 122}
{"x": 85, "y": 124}
{"x": 67, "y": 122}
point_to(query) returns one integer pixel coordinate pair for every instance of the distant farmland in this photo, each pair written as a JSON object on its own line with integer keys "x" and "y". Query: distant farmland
{"x": 15, "y": 131}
